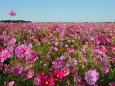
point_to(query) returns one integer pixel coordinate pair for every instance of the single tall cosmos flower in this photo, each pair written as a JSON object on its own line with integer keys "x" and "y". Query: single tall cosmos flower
{"x": 21, "y": 51}
{"x": 12, "y": 13}
{"x": 91, "y": 77}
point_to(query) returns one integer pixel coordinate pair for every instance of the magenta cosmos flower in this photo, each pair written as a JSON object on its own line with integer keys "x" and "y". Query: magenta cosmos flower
{"x": 17, "y": 70}
{"x": 58, "y": 75}
{"x": 5, "y": 54}
{"x": 91, "y": 77}
{"x": 12, "y": 13}
{"x": 47, "y": 81}
{"x": 24, "y": 77}
{"x": 21, "y": 51}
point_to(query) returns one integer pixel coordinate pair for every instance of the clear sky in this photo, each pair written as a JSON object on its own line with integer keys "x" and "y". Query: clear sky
{"x": 59, "y": 10}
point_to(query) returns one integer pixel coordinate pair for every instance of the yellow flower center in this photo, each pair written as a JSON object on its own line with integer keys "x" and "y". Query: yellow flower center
{"x": 57, "y": 75}
{"x": 42, "y": 73}
{"x": 46, "y": 82}
{"x": 38, "y": 80}
{"x": 64, "y": 71}
{"x": 89, "y": 78}
{"x": 22, "y": 51}
{"x": 5, "y": 55}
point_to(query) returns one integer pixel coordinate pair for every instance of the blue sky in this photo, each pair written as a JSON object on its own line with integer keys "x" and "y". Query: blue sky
{"x": 59, "y": 10}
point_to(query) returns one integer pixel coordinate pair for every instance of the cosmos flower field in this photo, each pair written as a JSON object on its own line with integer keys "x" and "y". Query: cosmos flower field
{"x": 57, "y": 54}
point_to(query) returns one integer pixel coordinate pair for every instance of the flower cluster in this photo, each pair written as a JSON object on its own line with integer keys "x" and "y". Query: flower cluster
{"x": 79, "y": 54}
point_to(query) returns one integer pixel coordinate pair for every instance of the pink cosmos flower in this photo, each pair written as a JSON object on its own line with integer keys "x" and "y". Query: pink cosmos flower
{"x": 21, "y": 51}
{"x": 66, "y": 71}
{"x": 103, "y": 48}
{"x": 27, "y": 67}
{"x": 37, "y": 79}
{"x": 17, "y": 70}
{"x": 30, "y": 73}
{"x": 47, "y": 81}
{"x": 103, "y": 62}
{"x": 71, "y": 51}
{"x": 91, "y": 77}
{"x": 29, "y": 45}
{"x": 58, "y": 75}
{"x": 5, "y": 54}
{"x": 73, "y": 61}
{"x": 12, "y": 13}
{"x": 84, "y": 48}
{"x": 11, "y": 83}
{"x": 97, "y": 52}
{"x": 11, "y": 42}
{"x": 105, "y": 70}
{"x": 31, "y": 57}
{"x": 54, "y": 49}
{"x": 61, "y": 34}
{"x": 57, "y": 64}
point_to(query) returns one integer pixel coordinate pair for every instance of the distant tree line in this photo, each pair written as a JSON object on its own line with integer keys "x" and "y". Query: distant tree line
{"x": 15, "y": 21}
